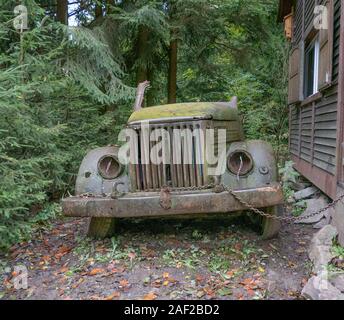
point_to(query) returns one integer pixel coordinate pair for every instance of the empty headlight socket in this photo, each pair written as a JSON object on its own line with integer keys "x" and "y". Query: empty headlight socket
{"x": 109, "y": 167}
{"x": 234, "y": 162}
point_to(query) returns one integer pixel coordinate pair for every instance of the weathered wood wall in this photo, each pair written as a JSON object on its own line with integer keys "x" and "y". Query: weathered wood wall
{"x": 313, "y": 122}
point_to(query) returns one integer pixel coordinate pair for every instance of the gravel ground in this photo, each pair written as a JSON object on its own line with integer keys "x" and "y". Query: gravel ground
{"x": 218, "y": 258}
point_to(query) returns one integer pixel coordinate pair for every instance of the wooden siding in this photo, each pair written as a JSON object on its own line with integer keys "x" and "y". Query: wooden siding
{"x": 325, "y": 131}
{"x": 309, "y": 13}
{"x": 297, "y": 36}
{"x": 306, "y": 133}
{"x": 336, "y": 38}
{"x": 294, "y": 138}
{"x": 313, "y": 125}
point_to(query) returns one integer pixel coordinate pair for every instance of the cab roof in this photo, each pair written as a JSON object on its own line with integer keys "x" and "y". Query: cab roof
{"x": 193, "y": 110}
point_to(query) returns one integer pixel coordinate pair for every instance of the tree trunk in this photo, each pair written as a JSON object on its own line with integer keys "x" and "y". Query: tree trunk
{"x": 142, "y": 42}
{"x": 98, "y": 11}
{"x": 150, "y": 93}
{"x": 172, "y": 70}
{"x": 62, "y": 11}
{"x": 108, "y": 6}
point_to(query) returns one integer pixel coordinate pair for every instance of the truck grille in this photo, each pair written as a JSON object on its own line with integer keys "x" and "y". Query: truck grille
{"x": 183, "y": 167}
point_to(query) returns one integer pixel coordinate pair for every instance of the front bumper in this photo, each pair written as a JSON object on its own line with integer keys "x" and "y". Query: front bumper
{"x": 181, "y": 203}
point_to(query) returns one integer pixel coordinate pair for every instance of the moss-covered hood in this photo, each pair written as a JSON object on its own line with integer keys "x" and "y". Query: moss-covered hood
{"x": 198, "y": 110}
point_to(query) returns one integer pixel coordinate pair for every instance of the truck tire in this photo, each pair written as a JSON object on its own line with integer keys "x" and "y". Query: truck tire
{"x": 271, "y": 227}
{"x": 101, "y": 228}
{"x": 267, "y": 228}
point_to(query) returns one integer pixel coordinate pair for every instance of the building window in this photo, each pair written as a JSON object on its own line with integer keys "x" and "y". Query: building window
{"x": 311, "y": 68}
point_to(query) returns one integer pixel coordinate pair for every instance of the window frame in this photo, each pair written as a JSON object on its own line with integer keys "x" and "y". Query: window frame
{"x": 313, "y": 44}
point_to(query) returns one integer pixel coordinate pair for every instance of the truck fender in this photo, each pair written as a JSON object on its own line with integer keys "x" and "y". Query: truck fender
{"x": 264, "y": 169}
{"x": 89, "y": 179}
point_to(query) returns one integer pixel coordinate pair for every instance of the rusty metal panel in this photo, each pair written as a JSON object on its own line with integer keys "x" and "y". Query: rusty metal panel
{"x": 150, "y": 204}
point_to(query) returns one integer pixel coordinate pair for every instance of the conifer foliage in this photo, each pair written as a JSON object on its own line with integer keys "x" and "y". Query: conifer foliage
{"x": 54, "y": 84}
{"x": 67, "y": 89}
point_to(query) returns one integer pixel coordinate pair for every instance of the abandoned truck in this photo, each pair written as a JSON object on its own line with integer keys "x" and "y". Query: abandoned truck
{"x": 107, "y": 189}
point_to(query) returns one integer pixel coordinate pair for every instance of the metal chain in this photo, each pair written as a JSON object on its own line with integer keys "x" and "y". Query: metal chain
{"x": 218, "y": 188}
{"x": 221, "y": 187}
{"x": 288, "y": 219}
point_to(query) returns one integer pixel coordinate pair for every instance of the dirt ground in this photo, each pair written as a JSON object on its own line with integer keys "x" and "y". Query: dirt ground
{"x": 220, "y": 258}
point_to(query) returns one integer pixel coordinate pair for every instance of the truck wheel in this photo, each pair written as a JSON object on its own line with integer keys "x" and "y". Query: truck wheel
{"x": 271, "y": 227}
{"x": 101, "y": 227}
{"x": 268, "y": 228}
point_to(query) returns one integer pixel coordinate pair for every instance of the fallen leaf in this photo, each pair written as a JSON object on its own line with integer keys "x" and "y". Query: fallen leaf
{"x": 250, "y": 292}
{"x": 131, "y": 255}
{"x": 230, "y": 273}
{"x": 150, "y": 296}
{"x": 240, "y": 296}
{"x": 113, "y": 295}
{"x": 165, "y": 283}
{"x": 291, "y": 264}
{"x": 64, "y": 270}
{"x": 209, "y": 291}
{"x": 165, "y": 275}
{"x": 62, "y": 251}
{"x": 95, "y": 271}
{"x": 261, "y": 269}
{"x": 199, "y": 278}
{"x": 124, "y": 283}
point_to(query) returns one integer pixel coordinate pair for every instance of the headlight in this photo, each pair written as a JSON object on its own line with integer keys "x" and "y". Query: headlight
{"x": 109, "y": 167}
{"x": 240, "y": 162}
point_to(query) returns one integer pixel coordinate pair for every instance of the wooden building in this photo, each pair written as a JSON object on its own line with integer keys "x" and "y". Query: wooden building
{"x": 315, "y": 29}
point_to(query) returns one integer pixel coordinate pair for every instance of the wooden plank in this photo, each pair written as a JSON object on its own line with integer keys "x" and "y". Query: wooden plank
{"x": 319, "y": 177}
{"x": 340, "y": 131}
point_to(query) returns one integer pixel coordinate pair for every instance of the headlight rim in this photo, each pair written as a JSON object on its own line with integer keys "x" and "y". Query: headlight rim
{"x": 113, "y": 176}
{"x": 244, "y": 172}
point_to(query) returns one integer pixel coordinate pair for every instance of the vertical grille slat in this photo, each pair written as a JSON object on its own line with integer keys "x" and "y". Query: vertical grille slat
{"x": 164, "y": 165}
{"x": 159, "y": 166}
{"x": 135, "y": 166}
{"x": 199, "y": 156}
{"x": 183, "y": 168}
{"x": 178, "y": 156}
{"x": 155, "y": 167}
{"x": 185, "y": 154}
{"x": 191, "y": 155}
{"x": 174, "y": 175}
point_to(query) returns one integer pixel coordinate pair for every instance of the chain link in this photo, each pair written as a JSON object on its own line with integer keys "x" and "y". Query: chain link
{"x": 218, "y": 188}
{"x": 289, "y": 219}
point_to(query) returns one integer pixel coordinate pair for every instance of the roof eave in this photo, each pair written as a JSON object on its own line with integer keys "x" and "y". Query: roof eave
{"x": 284, "y": 8}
